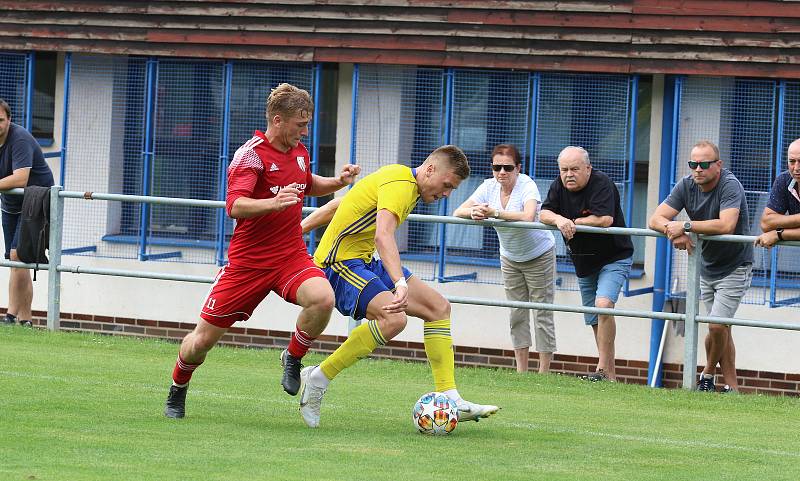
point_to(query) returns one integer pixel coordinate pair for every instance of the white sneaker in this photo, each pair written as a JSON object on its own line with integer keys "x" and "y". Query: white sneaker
{"x": 468, "y": 411}
{"x": 310, "y": 398}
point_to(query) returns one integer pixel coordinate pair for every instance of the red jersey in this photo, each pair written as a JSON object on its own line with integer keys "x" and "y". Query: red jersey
{"x": 259, "y": 171}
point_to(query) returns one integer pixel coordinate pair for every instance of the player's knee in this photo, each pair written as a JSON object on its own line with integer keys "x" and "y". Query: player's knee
{"x": 324, "y": 301}
{"x": 13, "y": 255}
{"x": 393, "y": 324}
{"x": 441, "y": 309}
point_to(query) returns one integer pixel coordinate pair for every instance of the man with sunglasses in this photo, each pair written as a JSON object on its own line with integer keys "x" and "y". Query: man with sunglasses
{"x": 715, "y": 202}
{"x": 586, "y": 196}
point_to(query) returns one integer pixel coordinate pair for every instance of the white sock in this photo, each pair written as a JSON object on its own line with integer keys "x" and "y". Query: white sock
{"x": 318, "y": 378}
{"x": 453, "y": 395}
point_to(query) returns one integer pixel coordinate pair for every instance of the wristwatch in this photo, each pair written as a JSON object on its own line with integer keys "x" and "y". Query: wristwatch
{"x": 687, "y": 226}
{"x": 779, "y": 231}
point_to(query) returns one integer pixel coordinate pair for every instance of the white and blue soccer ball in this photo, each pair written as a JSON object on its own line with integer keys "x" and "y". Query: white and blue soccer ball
{"x": 435, "y": 414}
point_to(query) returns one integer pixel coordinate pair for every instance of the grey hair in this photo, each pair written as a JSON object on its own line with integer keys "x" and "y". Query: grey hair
{"x": 584, "y": 153}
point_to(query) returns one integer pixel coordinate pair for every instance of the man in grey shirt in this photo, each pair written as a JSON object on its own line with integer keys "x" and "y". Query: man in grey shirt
{"x": 715, "y": 202}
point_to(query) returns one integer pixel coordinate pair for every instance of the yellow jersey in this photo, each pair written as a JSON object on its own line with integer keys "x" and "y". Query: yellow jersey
{"x": 351, "y": 233}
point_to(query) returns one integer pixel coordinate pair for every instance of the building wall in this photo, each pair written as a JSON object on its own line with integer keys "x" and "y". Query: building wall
{"x": 753, "y": 38}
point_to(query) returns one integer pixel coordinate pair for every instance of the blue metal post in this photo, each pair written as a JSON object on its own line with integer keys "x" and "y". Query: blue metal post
{"x": 354, "y": 116}
{"x": 773, "y": 253}
{"x": 65, "y": 119}
{"x": 317, "y": 73}
{"x": 147, "y": 154}
{"x": 223, "y": 162}
{"x": 535, "y": 79}
{"x": 669, "y": 134}
{"x": 448, "y": 112}
{"x": 633, "y": 85}
{"x": 676, "y": 107}
{"x": 352, "y": 323}
{"x": 30, "y": 68}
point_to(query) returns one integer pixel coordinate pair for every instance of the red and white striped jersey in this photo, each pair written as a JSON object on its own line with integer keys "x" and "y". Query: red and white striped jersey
{"x": 259, "y": 171}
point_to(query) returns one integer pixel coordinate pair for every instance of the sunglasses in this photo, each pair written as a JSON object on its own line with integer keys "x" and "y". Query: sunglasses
{"x": 506, "y": 167}
{"x": 703, "y": 165}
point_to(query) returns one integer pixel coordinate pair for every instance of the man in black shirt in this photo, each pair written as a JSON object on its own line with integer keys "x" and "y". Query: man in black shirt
{"x": 21, "y": 164}
{"x": 583, "y": 196}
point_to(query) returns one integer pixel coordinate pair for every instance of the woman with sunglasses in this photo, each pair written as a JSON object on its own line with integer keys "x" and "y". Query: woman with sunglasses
{"x": 527, "y": 256}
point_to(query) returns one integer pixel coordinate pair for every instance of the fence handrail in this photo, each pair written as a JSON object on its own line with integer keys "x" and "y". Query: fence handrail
{"x": 691, "y": 317}
{"x": 218, "y": 204}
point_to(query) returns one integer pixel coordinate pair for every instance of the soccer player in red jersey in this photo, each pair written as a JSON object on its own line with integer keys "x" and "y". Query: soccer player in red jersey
{"x": 267, "y": 180}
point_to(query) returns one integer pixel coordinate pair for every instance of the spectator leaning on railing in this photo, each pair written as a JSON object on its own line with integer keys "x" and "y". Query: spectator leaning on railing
{"x": 715, "y": 203}
{"x": 21, "y": 164}
{"x": 585, "y": 196}
{"x": 527, "y": 256}
{"x": 781, "y": 218}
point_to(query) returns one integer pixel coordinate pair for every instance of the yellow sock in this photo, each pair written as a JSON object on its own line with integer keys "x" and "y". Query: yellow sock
{"x": 439, "y": 348}
{"x": 362, "y": 341}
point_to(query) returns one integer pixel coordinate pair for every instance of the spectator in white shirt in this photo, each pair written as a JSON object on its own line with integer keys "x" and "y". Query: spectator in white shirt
{"x": 527, "y": 256}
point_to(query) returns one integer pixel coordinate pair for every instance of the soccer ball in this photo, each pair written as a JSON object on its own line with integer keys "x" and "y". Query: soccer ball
{"x": 434, "y": 413}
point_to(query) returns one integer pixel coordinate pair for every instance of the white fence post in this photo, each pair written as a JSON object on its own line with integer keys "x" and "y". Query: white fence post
{"x": 692, "y": 305}
{"x": 54, "y": 251}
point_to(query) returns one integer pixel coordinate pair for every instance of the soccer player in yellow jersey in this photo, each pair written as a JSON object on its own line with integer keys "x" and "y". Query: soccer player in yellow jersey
{"x": 382, "y": 290}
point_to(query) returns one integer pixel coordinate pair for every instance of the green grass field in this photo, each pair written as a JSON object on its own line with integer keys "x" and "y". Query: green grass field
{"x": 82, "y": 407}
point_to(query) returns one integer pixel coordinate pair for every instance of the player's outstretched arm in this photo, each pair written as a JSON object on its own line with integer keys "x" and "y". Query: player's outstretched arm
{"x": 328, "y": 185}
{"x": 321, "y": 216}
{"x": 245, "y": 207}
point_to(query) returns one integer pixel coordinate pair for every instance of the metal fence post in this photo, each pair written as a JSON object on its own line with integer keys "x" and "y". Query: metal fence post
{"x": 692, "y": 306}
{"x": 54, "y": 250}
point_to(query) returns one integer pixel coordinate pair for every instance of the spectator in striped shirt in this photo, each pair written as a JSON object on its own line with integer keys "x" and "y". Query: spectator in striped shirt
{"x": 527, "y": 256}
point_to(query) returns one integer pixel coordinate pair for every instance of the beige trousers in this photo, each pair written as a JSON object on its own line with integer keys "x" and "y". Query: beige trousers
{"x": 531, "y": 281}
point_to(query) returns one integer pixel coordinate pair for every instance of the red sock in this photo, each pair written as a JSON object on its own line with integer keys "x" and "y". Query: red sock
{"x": 301, "y": 341}
{"x": 183, "y": 371}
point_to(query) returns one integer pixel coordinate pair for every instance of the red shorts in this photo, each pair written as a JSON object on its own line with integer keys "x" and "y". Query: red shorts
{"x": 237, "y": 291}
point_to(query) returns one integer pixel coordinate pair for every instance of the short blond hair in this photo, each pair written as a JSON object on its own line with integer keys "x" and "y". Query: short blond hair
{"x": 287, "y": 100}
{"x": 455, "y": 158}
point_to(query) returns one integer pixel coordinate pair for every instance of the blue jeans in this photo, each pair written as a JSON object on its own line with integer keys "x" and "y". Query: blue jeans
{"x": 605, "y": 283}
{"x": 11, "y": 225}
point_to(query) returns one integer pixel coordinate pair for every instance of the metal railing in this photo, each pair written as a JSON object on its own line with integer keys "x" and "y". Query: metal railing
{"x": 691, "y": 317}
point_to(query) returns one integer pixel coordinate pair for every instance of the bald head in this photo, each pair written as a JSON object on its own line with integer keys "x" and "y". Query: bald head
{"x": 793, "y": 159}
{"x": 795, "y": 146}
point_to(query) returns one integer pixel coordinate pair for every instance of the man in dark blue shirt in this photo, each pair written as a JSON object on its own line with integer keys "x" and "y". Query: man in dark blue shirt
{"x": 781, "y": 217}
{"x": 21, "y": 164}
